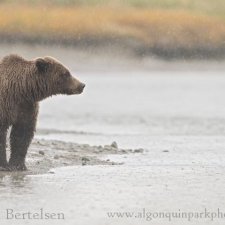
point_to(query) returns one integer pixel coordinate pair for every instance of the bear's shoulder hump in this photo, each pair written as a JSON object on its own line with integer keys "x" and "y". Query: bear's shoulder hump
{"x": 12, "y": 58}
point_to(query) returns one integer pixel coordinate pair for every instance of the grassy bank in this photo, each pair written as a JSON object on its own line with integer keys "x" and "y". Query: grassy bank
{"x": 174, "y": 31}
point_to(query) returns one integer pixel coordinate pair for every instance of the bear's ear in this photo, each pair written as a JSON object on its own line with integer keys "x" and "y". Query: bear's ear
{"x": 41, "y": 65}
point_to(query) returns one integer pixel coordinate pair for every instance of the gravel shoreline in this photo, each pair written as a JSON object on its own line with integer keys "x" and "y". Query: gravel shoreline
{"x": 44, "y": 155}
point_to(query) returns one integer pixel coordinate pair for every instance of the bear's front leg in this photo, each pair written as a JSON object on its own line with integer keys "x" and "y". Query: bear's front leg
{"x": 20, "y": 139}
{"x": 21, "y": 135}
{"x": 3, "y": 160}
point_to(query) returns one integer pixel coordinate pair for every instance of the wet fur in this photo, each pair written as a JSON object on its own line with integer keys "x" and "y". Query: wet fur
{"x": 23, "y": 84}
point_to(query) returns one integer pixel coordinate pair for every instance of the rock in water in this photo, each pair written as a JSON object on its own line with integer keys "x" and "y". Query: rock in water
{"x": 114, "y": 145}
{"x": 41, "y": 152}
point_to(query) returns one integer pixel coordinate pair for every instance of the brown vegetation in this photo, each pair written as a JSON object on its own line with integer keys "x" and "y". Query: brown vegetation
{"x": 163, "y": 32}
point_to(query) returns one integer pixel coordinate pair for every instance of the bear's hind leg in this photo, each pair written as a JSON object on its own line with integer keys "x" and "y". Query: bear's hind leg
{"x": 3, "y": 160}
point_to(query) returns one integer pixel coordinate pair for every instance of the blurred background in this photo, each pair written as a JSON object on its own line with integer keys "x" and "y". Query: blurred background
{"x": 170, "y": 29}
{"x": 152, "y": 67}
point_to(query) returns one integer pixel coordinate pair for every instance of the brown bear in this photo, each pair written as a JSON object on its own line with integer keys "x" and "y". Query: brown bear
{"x": 23, "y": 84}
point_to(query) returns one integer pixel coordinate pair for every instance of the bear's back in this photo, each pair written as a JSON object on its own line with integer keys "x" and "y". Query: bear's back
{"x": 12, "y": 65}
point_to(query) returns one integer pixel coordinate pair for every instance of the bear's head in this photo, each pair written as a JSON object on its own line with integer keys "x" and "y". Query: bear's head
{"x": 55, "y": 78}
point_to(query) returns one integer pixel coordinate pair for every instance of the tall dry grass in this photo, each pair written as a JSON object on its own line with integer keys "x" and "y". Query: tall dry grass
{"x": 150, "y": 27}
{"x": 146, "y": 25}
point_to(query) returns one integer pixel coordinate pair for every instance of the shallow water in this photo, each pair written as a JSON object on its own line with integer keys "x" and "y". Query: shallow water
{"x": 133, "y": 107}
{"x": 177, "y": 117}
{"x": 87, "y": 194}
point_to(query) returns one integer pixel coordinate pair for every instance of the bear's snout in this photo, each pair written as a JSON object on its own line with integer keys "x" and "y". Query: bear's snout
{"x": 81, "y": 87}
{"x": 74, "y": 87}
